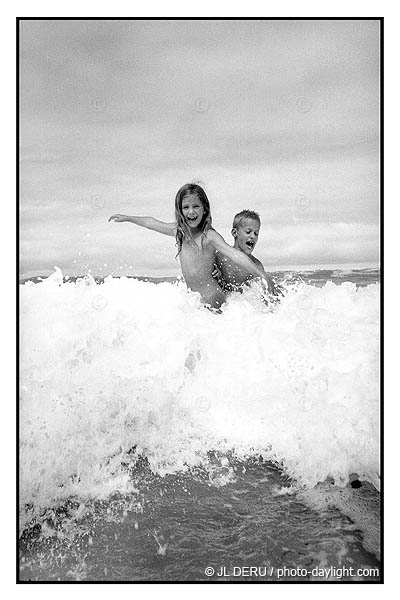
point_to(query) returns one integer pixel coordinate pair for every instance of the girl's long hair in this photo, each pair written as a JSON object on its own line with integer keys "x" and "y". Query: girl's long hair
{"x": 183, "y": 231}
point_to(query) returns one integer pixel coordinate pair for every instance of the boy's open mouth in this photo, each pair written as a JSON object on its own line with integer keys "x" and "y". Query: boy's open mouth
{"x": 250, "y": 244}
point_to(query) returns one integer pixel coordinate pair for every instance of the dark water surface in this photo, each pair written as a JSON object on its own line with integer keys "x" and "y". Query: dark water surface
{"x": 177, "y": 526}
{"x": 361, "y": 277}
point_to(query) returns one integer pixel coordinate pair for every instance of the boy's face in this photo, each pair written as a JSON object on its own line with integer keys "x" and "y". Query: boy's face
{"x": 246, "y": 235}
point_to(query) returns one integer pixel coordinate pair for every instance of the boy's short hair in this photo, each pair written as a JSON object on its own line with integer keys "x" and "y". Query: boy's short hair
{"x": 245, "y": 214}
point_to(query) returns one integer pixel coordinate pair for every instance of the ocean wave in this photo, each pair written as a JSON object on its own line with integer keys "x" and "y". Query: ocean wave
{"x": 132, "y": 365}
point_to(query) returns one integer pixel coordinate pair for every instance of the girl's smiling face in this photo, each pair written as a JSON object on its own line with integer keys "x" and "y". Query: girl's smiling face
{"x": 192, "y": 211}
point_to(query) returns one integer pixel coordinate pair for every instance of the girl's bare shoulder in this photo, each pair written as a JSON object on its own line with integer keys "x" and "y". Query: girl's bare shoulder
{"x": 211, "y": 235}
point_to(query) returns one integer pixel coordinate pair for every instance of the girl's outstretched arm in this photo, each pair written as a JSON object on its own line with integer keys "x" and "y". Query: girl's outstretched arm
{"x": 148, "y": 222}
{"x": 238, "y": 257}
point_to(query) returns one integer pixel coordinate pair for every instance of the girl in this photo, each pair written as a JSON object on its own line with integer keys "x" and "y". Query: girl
{"x": 197, "y": 243}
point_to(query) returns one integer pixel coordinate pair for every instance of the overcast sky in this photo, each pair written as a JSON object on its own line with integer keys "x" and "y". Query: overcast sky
{"x": 281, "y": 117}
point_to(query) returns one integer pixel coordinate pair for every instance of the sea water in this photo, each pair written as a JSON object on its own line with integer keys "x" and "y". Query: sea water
{"x": 160, "y": 441}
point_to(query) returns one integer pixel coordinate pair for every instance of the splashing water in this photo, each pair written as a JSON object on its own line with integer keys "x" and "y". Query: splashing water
{"x": 128, "y": 371}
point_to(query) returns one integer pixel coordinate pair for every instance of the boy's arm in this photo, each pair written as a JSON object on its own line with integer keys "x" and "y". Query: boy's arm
{"x": 148, "y": 222}
{"x": 270, "y": 282}
{"x": 236, "y": 255}
{"x": 272, "y": 287}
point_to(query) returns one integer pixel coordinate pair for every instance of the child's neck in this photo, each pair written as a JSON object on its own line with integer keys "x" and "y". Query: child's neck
{"x": 237, "y": 247}
{"x": 196, "y": 232}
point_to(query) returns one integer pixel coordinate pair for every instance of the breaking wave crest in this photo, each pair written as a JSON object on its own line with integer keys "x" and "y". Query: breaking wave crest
{"x": 127, "y": 368}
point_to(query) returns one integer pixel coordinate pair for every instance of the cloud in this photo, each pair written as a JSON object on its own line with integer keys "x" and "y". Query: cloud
{"x": 278, "y": 116}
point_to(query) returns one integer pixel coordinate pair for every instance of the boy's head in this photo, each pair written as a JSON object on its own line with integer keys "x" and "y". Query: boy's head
{"x": 245, "y": 230}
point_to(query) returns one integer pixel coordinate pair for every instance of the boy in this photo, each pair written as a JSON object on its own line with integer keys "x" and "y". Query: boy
{"x": 245, "y": 230}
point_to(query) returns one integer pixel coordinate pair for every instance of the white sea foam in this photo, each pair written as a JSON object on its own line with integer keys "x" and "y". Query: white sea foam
{"x": 127, "y": 363}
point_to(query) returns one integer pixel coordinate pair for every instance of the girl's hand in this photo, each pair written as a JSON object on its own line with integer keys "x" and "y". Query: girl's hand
{"x": 117, "y": 218}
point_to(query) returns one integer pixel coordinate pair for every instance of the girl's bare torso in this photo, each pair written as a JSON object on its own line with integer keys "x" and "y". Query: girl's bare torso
{"x": 197, "y": 264}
